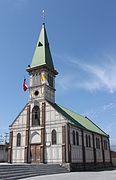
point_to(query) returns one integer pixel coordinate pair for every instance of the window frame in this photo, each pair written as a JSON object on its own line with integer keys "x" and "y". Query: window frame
{"x": 54, "y": 137}
{"x": 73, "y": 136}
{"x": 35, "y": 116}
{"x": 77, "y": 138}
{"x": 18, "y": 140}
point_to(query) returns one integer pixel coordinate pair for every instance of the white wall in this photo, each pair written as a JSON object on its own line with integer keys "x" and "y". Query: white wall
{"x": 76, "y": 150}
{"x": 54, "y": 120}
{"x": 19, "y": 126}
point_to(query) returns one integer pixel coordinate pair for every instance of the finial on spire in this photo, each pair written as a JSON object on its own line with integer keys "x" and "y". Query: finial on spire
{"x": 43, "y": 16}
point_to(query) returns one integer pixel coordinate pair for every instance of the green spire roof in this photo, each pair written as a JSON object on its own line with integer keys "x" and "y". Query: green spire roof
{"x": 42, "y": 54}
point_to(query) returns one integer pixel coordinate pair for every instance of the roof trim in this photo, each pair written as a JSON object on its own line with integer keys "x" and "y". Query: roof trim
{"x": 77, "y": 122}
{"x": 18, "y": 115}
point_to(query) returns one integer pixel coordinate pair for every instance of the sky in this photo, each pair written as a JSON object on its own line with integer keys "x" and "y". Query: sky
{"x": 82, "y": 37}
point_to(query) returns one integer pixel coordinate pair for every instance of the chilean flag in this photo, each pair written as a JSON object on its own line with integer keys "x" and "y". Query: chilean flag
{"x": 25, "y": 86}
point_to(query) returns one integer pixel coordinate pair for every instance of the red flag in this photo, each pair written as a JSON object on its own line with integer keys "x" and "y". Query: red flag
{"x": 25, "y": 87}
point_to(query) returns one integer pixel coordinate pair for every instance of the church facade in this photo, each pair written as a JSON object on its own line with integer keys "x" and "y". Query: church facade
{"x": 45, "y": 132}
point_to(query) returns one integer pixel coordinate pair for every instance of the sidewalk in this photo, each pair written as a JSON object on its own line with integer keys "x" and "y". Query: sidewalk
{"x": 102, "y": 175}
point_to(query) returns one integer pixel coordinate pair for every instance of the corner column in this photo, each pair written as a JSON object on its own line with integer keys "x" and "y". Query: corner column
{"x": 94, "y": 149}
{"x": 103, "y": 155}
{"x": 110, "y": 151}
{"x": 10, "y": 147}
{"x": 42, "y": 147}
{"x": 68, "y": 144}
{"x": 83, "y": 149}
{"x": 27, "y": 140}
{"x": 63, "y": 144}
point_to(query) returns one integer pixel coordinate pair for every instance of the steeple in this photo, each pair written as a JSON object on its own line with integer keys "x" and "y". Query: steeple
{"x": 41, "y": 71}
{"x": 42, "y": 55}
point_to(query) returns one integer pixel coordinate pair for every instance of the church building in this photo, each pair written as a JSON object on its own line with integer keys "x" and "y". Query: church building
{"x": 44, "y": 132}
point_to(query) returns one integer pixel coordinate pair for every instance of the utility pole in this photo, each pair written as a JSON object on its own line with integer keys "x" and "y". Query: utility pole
{"x": 4, "y": 138}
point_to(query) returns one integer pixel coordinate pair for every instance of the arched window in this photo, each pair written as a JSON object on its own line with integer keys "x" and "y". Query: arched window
{"x": 97, "y": 143}
{"x": 86, "y": 140}
{"x": 105, "y": 145}
{"x": 18, "y": 140}
{"x": 77, "y": 138}
{"x": 54, "y": 139}
{"x": 89, "y": 139}
{"x": 73, "y": 137}
{"x": 36, "y": 116}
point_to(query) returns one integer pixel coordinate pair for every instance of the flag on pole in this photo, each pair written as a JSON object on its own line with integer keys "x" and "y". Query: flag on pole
{"x": 25, "y": 86}
{"x": 43, "y": 79}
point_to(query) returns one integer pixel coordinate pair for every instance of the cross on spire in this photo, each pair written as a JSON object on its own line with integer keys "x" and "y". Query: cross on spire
{"x": 43, "y": 16}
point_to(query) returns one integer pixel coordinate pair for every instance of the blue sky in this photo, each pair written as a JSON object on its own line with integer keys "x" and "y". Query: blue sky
{"x": 82, "y": 37}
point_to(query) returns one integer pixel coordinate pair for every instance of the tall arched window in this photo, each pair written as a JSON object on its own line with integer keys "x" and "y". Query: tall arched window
{"x": 77, "y": 138}
{"x": 54, "y": 139}
{"x": 97, "y": 143}
{"x": 18, "y": 140}
{"x": 73, "y": 137}
{"x": 87, "y": 140}
{"x": 36, "y": 116}
{"x": 105, "y": 145}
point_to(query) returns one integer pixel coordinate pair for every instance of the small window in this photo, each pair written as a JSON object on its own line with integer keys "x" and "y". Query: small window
{"x": 73, "y": 137}
{"x": 77, "y": 138}
{"x": 36, "y": 93}
{"x": 40, "y": 44}
{"x": 54, "y": 137}
{"x": 36, "y": 116}
{"x": 18, "y": 140}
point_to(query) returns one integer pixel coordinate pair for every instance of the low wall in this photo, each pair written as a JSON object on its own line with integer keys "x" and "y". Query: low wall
{"x": 3, "y": 153}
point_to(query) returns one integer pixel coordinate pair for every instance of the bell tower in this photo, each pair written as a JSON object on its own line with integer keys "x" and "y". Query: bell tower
{"x": 41, "y": 71}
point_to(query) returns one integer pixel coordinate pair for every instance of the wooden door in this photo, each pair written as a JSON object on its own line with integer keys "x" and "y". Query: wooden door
{"x": 35, "y": 153}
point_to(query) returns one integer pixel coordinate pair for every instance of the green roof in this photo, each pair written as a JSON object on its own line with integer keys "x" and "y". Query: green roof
{"x": 42, "y": 54}
{"x": 79, "y": 120}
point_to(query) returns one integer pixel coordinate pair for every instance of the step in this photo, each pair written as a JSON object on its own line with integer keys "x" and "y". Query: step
{"x": 14, "y": 172}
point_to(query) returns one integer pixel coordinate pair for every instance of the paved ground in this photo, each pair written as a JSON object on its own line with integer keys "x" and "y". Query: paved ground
{"x": 102, "y": 175}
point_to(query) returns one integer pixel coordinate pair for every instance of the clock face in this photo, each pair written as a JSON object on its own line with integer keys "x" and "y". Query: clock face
{"x": 36, "y": 93}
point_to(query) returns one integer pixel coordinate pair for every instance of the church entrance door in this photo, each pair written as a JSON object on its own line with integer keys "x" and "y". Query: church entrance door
{"x": 35, "y": 153}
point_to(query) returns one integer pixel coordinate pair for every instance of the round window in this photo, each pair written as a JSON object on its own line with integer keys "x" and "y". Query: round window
{"x": 36, "y": 93}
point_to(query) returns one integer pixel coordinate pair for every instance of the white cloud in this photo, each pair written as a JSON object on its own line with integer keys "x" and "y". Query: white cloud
{"x": 99, "y": 76}
{"x": 109, "y": 106}
{"x": 103, "y": 77}
{"x": 91, "y": 114}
